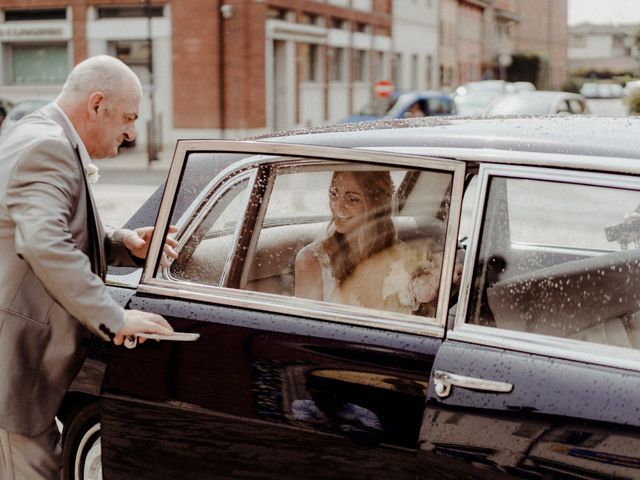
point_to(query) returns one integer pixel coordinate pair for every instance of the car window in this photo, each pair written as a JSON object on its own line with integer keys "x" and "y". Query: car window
{"x": 205, "y": 253}
{"x": 439, "y": 106}
{"x": 378, "y": 106}
{"x": 560, "y": 259}
{"x": 251, "y": 232}
{"x": 564, "y": 107}
{"x": 576, "y": 106}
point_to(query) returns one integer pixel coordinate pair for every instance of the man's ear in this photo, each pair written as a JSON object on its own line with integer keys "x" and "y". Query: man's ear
{"x": 96, "y": 102}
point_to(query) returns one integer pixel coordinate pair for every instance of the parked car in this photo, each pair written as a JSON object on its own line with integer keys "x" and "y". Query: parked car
{"x": 631, "y": 87}
{"x": 590, "y": 90}
{"x": 521, "y": 87}
{"x": 475, "y": 102}
{"x": 473, "y": 98}
{"x": 499, "y": 86}
{"x": 22, "y": 108}
{"x": 538, "y": 103}
{"x": 609, "y": 90}
{"x": 526, "y": 365}
{"x": 405, "y": 105}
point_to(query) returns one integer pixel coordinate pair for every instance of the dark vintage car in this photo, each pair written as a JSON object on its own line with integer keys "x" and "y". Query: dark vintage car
{"x": 525, "y": 366}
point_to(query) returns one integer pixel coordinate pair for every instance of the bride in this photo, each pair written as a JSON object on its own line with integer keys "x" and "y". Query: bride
{"x": 361, "y": 262}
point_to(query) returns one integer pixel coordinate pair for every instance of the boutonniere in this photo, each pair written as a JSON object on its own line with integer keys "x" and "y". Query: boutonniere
{"x": 92, "y": 173}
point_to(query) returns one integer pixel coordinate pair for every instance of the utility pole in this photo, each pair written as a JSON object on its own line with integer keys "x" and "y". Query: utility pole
{"x": 152, "y": 153}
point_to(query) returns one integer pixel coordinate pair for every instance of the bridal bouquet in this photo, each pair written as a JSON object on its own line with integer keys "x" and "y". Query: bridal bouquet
{"x": 401, "y": 278}
{"x": 92, "y": 173}
{"x": 413, "y": 279}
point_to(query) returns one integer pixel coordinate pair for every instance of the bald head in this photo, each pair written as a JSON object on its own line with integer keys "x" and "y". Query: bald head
{"x": 100, "y": 73}
{"x": 101, "y": 98}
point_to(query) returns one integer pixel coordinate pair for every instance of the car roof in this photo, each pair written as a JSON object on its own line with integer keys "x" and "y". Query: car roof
{"x": 571, "y": 135}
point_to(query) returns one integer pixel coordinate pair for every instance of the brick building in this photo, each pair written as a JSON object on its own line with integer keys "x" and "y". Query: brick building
{"x": 219, "y": 68}
{"x": 231, "y": 68}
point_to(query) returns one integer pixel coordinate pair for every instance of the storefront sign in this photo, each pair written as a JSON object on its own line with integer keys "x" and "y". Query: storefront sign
{"x": 34, "y": 32}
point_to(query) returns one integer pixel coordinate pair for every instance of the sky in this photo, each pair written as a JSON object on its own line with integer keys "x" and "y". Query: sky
{"x": 603, "y": 11}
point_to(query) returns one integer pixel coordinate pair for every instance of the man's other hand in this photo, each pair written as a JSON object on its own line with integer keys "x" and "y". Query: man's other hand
{"x": 139, "y": 239}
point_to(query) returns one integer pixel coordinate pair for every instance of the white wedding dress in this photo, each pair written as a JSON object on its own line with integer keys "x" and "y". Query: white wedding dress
{"x": 329, "y": 282}
{"x": 382, "y": 281}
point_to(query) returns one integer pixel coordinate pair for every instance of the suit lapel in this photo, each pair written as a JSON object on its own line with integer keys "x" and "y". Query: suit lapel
{"x": 96, "y": 231}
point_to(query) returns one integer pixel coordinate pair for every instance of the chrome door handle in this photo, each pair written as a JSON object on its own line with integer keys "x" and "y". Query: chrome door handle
{"x": 132, "y": 340}
{"x": 443, "y": 381}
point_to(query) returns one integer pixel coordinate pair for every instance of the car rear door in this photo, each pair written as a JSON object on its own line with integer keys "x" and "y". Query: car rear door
{"x": 539, "y": 377}
{"x": 277, "y": 386}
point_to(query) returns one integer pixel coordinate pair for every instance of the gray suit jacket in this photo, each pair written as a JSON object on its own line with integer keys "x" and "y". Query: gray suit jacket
{"x": 49, "y": 292}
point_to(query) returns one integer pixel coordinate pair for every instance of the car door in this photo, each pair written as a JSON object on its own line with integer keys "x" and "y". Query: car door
{"x": 539, "y": 377}
{"x": 278, "y": 386}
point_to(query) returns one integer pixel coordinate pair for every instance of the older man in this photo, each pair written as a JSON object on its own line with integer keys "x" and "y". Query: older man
{"x": 53, "y": 257}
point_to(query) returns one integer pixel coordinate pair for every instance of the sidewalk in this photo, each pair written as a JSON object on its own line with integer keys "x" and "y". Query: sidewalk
{"x": 136, "y": 159}
{"x": 132, "y": 167}
{"x": 126, "y": 182}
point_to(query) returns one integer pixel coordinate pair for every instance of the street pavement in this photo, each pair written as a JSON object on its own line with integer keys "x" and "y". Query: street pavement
{"x": 126, "y": 182}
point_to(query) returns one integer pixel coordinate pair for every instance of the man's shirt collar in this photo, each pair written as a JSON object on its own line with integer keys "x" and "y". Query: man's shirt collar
{"x": 75, "y": 138}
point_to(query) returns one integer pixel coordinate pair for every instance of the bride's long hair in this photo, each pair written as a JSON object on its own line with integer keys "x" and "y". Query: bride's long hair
{"x": 378, "y": 231}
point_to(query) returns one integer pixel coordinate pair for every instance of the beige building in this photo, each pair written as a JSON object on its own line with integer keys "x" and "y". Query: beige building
{"x": 482, "y": 39}
{"x": 448, "y": 34}
{"x": 543, "y": 31}
{"x": 603, "y": 47}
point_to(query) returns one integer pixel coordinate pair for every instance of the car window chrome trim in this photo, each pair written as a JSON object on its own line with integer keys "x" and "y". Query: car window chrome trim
{"x": 548, "y": 346}
{"x": 343, "y": 314}
{"x": 310, "y": 153}
{"x": 191, "y": 221}
{"x": 560, "y": 347}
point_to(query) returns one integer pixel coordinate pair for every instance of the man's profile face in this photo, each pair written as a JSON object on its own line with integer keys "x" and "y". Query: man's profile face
{"x": 115, "y": 123}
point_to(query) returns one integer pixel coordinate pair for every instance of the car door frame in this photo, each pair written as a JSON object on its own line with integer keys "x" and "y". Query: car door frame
{"x": 486, "y": 377}
{"x": 150, "y": 283}
{"x": 380, "y": 334}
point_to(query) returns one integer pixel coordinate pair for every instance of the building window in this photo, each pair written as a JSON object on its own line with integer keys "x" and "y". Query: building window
{"x": 309, "y": 62}
{"x": 338, "y": 23}
{"x": 35, "y": 14}
{"x": 429, "y": 70}
{"x": 414, "y": 71}
{"x": 277, "y": 13}
{"x": 396, "y": 69}
{"x": 361, "y": 66}
{"x": 40, "y": 64}
{"x": 618, "y": 41}
{"x": 363, "y": 27}
{"x": 308, "y": 19}
{"x": 380, "y": 71}
{"x": 577, "y": 41}
{"x": 136, "y": 54}
{"x": 130, "y": 12}
{"x": 337, "y": 70}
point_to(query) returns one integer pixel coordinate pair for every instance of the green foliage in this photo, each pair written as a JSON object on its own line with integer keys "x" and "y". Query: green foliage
{"x": 633, "y": 102}
{"x": 570, "y": 85}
